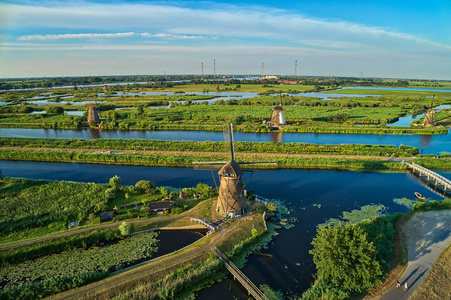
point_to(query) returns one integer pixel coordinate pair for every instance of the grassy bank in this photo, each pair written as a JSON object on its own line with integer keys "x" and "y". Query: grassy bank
{"x": 207, "y": 146}
{"x": 186, "y": 160}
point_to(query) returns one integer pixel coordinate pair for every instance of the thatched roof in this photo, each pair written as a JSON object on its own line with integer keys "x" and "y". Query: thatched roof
{"x": 277, "y": 108}
{"x": 231, "y": 168}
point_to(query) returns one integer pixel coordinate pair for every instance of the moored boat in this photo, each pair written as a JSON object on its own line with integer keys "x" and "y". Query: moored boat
{"x": 419, "y": 196}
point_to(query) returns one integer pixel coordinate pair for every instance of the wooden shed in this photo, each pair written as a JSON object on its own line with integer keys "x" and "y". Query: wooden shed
{"x": 106, "y": 216}
{"x": 159, "y": 207}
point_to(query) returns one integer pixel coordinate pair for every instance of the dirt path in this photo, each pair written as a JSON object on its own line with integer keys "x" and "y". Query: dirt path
{"x": 428, "y": 234}
{"x": 76, "y": 231}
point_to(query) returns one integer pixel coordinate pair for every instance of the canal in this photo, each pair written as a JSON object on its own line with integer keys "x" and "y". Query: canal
{"x": 313, "y": 197}
{"x": 428, "y": 144}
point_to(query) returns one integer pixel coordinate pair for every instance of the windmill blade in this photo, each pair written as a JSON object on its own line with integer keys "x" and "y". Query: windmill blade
{"x": 208, "y": 165}
{"x": 209, "y": 162}
{"x": 259, "y": 163}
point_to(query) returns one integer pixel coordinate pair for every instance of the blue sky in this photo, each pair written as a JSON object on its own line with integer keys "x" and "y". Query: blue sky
{"x": 397, "y": 39}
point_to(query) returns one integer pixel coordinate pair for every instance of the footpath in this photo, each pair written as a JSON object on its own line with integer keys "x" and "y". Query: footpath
{"x": 428, "y": 234}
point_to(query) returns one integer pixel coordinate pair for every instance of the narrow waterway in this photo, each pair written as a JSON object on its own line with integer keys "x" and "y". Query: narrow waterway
{"x": 312, "y": 196}
{"x": 428, "y": 144}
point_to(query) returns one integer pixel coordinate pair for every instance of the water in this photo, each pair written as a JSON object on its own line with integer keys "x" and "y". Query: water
{"x": 406, "y": 120}
{"x": 396, "y": 89}
{"x": 313, "y": 196}
{"x": 428, "y": 144}
{"x": 62, "y": 102}
{"x": 171, "y": 240}
{"x": 74, "y": 112}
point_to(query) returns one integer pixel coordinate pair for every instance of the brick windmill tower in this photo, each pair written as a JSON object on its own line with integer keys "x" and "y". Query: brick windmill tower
{"x": 429, "y": 119}
{"x": 231, "y": 199}
{"x": 93, "y": 115}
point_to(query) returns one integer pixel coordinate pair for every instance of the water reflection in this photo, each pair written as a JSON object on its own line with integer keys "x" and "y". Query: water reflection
{"x": 276, "y": 136}
{"x": 425, "y": 141}
{"x": 94, "y": 133}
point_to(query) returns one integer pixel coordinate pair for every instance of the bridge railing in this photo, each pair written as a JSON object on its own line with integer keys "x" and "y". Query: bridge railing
{"x": 261, "y": 199}
{"x": 437, "y": 177}
{"x": 429, "y": 172}
{"x": 246, "y": 282}
{"x": 209, "y": 226}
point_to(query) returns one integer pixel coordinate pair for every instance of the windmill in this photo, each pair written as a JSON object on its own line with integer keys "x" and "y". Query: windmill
{"x": 93, "y": 115}
{"x": 231, "y": 199}
{"x": 277, "y": 118}
{"x": 429, "y": 119}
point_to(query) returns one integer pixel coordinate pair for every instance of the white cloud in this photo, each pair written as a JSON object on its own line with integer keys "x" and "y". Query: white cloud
{"x": 38, "y": 37}
{"x": 227, "y": 32}
{"x": 173, "y": 36}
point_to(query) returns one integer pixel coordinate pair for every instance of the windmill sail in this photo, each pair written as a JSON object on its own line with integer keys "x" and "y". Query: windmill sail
{"x": 231, "y": 199}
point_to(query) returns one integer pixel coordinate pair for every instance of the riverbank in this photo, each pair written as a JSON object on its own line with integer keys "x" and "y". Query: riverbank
{"x": 269, "y": 161}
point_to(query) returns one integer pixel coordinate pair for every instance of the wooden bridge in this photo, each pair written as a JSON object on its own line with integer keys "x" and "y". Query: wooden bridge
{"x": 439, "y": 180}
{"x": 237, "y": 274}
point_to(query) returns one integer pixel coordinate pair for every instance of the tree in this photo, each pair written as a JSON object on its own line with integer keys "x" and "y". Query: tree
{"x": 91, "y": 217}
{"x": 110, "y": 193}
{"x": 115, "y": 182}
{"x": 55, "y": 110}
{"x": 144, "y": 185}
{"x": 125, "y": 228}
{"x": 343, "y": 255}
{"x": 139, "y": 109}
{"x": 204, "y": 189}
{"x": 163, "y": 191}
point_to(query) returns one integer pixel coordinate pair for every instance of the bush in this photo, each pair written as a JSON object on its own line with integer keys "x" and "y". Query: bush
{"x": 125, "y": 228}
{"x": 144, "y": 186}
{"x": 55, "y": 110}
{"x": 115, "y": 182}
{"x": 110, "y": 193}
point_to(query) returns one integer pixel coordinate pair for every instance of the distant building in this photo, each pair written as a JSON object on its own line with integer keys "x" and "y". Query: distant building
{"x": 269, "y": 77}
{"x": 290, "y": 82}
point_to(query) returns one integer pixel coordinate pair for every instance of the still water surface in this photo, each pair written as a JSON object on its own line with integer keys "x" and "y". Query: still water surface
{"x": 313, "y": 197}
{"x": 428, "y": 144}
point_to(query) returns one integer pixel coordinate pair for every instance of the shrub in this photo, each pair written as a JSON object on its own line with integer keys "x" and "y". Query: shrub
{"x": 125, "y": 228}
{"x": 110, "y": 193}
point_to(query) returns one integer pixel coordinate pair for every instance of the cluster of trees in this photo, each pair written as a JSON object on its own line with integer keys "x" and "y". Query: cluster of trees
{"x": 31, "y": 207}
